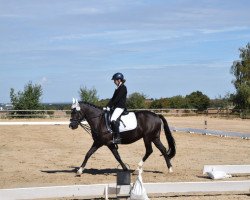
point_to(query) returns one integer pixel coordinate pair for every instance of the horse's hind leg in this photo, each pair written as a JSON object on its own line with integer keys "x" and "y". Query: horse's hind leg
{"x": 113, "y": 149}
{"x": 163, "y": 150}
{"x": 149, "y": 150}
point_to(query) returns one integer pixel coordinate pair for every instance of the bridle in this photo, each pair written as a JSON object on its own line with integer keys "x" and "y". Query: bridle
{"x": 80, "y": 121}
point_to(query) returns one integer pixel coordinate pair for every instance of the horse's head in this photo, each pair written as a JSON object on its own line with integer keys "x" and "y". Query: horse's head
{"x": 76, "y": 115}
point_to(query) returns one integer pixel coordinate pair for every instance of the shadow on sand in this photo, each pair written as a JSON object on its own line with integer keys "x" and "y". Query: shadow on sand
{"x": 94, "y": 171}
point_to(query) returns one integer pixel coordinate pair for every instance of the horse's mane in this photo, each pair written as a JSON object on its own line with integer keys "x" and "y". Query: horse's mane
{"x": 90, "y": 104}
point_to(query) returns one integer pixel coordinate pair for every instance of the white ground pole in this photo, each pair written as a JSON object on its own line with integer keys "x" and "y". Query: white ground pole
{"x": 37, "y": 123}
{"x": 229, "y": 169}
{"x": 53, "y": 192}
{"x": 34, "y": 123}
{"x": 103, "y": 190}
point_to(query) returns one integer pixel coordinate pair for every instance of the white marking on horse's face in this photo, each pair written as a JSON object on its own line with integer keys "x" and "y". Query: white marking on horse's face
{"x": 75, "y": 105}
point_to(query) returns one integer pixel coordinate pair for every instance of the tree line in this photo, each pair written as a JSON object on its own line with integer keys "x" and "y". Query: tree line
{"x": 30, "y": 97}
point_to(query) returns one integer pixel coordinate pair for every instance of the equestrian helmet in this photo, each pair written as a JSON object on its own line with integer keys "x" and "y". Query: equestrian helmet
{"x": 117, "y": 76}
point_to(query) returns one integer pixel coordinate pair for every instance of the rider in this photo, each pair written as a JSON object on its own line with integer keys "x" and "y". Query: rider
{"x": 117, "y": 103}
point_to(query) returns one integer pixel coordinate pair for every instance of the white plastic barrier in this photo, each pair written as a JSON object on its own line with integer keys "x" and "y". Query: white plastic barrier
{"x": 37, "y": 123}
{"x": 204, "y": 187}
{"x": 103, "y": 190}
{"x": 54, "y": 192}
{"x": 34, "y": 123}
{"x": 229, "y": 169}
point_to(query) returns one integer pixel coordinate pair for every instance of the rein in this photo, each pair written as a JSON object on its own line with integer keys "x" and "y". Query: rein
{"x": 93, "y": 117}
{"x": 86, "y": 127}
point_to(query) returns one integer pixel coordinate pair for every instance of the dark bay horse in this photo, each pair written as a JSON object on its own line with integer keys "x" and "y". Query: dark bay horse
{"x": 148, "y": 128}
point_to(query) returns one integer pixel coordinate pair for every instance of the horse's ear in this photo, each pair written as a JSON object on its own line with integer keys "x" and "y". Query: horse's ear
{"x": 74, "y": 101}
{"x": 78, "y": 108}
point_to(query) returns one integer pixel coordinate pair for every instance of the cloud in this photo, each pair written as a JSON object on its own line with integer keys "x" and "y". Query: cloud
{"x": 11, "y": 16}
{"x": 81, "y": 36}
{"x": 193, "y": 65}
{"x": 43, "y": 81}
{"x": 224, "y": 30}
{"x": 44, "y": 41}
{"x": 126, "y": 36}
{"x": 87, "y": 11}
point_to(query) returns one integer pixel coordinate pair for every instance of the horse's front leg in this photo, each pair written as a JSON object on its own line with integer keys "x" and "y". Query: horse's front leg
{"x": 113, "y": 149}
{"x": 92, "y": 150}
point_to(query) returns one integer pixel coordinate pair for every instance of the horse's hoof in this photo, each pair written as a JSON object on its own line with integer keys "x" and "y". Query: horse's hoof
{"x": 138, "y": 168}
{"x": 170, "y": 170}
{"x": 136, "y": 172}
{"x": 140, "y": 164}
{"x": 79, "y": 172}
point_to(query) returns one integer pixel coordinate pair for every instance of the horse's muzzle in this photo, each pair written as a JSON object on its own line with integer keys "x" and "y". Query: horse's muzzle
{"x": 73, "y": 125}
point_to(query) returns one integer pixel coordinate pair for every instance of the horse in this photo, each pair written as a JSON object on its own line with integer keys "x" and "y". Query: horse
{"x": 148, "y": 127}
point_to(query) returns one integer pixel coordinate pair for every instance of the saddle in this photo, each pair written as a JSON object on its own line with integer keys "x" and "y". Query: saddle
{"x": 127, "y": 121}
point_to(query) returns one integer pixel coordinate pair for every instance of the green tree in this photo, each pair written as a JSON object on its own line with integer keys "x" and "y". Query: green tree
{"x": 198, "y": 100}
{"x": 241, "y": 71}
{"x": 88, "y": 95}
{"x": 29, "y": 99}
{"x": 103, "y": 102}
{"x": 136, "y": 101}
{"x": 178, "y": 102}
{"x": 159, "y": 103}
{"x": 221, "y": 102}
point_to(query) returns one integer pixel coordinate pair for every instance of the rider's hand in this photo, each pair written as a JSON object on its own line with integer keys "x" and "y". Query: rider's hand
{"x": 106, "y": 108}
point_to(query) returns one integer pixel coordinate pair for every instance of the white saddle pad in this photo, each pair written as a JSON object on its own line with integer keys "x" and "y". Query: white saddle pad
{"x": 128, "y": 123}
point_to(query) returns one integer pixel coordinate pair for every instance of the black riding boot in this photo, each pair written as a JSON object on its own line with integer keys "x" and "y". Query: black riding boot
{"x": 116, "y": 132}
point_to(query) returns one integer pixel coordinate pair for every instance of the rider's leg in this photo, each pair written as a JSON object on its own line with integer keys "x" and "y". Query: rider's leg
{"x": 115, "y": 124}
{"x": 116, "y": 131}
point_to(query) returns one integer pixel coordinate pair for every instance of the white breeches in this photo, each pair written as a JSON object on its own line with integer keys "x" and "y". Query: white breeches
{"x": 117, "y": 113}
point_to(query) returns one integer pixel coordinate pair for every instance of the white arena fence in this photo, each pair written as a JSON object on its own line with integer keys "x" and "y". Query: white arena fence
{"x": 105, "y": 190}
{"x": 187, "y": 130}
{"x": 227, "y": 113}
{"x": 66, "y": 113}
{"x": 18, "y": 123}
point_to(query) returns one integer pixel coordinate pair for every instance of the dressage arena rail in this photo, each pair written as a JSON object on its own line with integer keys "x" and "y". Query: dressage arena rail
{"x": 187, "y": 130}
{"x": 164, "y": 111}
{"x": 229, "y": 169}
{"x": 66, "y": 113}
{"x": 104, "y": 190}
{"x": 226, "y": 113}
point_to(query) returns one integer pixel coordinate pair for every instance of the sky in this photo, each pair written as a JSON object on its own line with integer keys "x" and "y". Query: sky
{"x": 164, "y": 48}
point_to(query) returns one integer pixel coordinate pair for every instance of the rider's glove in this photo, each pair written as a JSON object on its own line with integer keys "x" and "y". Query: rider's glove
{"x": 106, "y": 108}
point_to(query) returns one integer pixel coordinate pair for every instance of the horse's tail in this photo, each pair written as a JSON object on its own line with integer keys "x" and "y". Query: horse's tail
{"x": 171, "y": 142}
